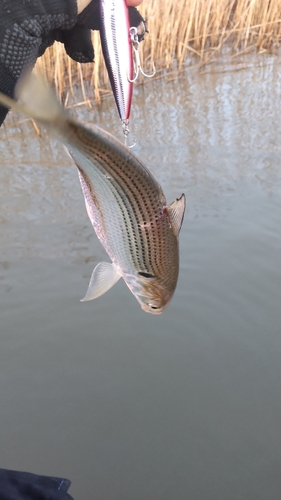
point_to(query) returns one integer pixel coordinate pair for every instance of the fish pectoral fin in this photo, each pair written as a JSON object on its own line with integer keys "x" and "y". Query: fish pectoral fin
{"x": 104, "y": 276}
{"x": 176, "y": 214}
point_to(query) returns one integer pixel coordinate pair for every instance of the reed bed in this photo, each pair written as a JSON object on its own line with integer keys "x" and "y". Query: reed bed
{"x": 180, "y": 32}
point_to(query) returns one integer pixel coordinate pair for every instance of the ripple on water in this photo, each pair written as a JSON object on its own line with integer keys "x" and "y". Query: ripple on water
{"x": 183, "y": 405}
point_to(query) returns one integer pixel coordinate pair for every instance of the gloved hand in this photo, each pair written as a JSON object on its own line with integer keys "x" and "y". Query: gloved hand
{"x": 28, "y": 28}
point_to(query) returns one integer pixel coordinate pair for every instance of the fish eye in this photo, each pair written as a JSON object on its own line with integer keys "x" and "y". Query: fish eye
{"x": 146, "y": 275}
{"x": 153, "y": 307}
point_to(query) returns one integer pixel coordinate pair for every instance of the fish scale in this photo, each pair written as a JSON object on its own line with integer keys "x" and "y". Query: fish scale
{"x": 135, "y": 210}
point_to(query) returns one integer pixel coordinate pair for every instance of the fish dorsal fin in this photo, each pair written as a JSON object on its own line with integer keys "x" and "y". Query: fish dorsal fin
{"x": 104, "y": 276}
{"x": 176, "y": 214}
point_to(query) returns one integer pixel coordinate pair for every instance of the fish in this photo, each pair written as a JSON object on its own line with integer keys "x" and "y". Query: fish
{"x": 125, "y": 204}
{"x": 118, "y": 54}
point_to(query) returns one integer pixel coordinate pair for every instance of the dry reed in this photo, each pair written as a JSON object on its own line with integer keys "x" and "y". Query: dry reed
{"x": 177, "y": 30}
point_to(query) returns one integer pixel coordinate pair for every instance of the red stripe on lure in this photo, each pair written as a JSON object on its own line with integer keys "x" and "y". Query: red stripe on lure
{"x": 117, "y": 51}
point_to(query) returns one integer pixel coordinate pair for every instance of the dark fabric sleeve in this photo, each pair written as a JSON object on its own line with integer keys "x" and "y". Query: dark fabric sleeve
{"x": 15, "y": 485}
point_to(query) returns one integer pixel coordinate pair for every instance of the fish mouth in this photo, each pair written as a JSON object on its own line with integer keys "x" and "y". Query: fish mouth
{"x": 152, "y": 309}
{"x": 152, "y": 305}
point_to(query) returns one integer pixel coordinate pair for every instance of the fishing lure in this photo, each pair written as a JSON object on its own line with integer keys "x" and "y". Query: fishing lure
{"x": 117, "y": 50}
{"x": 120, "y": 45}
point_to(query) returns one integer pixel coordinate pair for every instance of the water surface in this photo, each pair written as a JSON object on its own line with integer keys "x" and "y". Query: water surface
{"x": 127, "y": 405}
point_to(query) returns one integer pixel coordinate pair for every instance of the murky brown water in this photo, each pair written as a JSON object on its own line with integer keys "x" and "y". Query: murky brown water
{"x": 126, "y": 405}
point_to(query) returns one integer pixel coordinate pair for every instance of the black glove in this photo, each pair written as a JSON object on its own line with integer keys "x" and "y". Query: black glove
{"x": 77, "y": 40}
{"x": 90, "y": 18}
{"x": 23, "y": 26}
{"x": 28, "y": 28}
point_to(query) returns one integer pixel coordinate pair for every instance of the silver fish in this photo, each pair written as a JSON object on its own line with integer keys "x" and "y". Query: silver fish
{"x": 125, "y": 204}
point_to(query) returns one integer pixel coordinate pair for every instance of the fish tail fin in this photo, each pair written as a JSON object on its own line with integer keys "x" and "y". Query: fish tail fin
{"x": 38, "y": 100}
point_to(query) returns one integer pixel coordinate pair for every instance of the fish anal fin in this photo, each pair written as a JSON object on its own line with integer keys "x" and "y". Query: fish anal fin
{"x": 176, "y": 213}
{"x": 104, "y": 276}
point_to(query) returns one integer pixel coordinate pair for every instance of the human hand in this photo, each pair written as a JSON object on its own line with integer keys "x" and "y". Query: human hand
{"x": 82, "y": 4}
{"x": 28, "y": 28}
{"x": 77, "y": 41}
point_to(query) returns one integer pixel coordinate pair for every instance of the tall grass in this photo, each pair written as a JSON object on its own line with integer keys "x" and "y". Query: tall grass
{"x": 177, "y": 30}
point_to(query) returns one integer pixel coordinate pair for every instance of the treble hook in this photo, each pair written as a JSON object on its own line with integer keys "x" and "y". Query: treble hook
{"x": 137, "y": 63}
